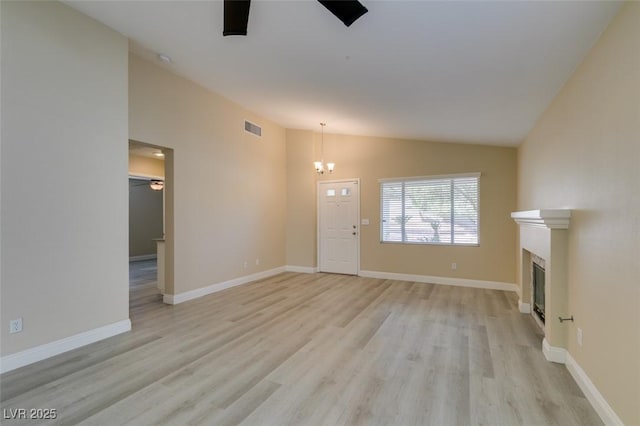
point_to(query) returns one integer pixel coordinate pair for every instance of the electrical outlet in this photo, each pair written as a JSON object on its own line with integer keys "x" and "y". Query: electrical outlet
{"x": 246, "y": 264}
{"x": 15, "y": 325}
{"x": 257, "y": 261}
{"x": 454, "y": 266}
{"x": 579, "y": 336}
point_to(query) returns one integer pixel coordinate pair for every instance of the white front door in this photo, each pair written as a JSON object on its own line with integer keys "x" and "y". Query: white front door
{"x": 339, "y": 233}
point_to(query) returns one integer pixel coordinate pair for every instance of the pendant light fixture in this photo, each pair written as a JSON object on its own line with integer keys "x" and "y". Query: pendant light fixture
{"x": 319, "y": 165}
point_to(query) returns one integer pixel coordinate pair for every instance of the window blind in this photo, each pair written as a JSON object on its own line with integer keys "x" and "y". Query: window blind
{"x": 437, "y": 210}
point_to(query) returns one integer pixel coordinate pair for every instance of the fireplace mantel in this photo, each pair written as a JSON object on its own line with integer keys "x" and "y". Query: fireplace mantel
{"x": 546, "y": 218}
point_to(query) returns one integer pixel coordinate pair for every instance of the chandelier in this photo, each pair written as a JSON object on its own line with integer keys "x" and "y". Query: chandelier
{"x": 319, "y": 165}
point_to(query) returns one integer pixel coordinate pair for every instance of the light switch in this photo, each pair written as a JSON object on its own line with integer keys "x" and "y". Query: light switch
{"x": 364, "y": 221}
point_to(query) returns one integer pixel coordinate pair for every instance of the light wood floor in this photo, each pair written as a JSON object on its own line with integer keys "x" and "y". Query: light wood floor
{"x": 300, "y": 349}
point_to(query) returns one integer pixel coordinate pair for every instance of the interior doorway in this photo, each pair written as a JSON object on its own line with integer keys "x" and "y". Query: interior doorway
{"x": 150, "y": 223}
{"x": 146, "y": 216}
{"x": 338, "y": 226}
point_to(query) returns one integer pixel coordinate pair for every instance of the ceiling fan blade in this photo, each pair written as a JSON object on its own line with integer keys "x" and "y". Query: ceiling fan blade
{"x": 348, "y": 11}
{"x": 236, "y": 17}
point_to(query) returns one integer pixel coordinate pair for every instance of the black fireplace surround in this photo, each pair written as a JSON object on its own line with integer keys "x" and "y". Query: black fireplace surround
{"x": 538, "y": 290}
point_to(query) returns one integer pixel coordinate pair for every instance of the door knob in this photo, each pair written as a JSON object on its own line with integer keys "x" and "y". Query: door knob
{"x": 354, "y": 233}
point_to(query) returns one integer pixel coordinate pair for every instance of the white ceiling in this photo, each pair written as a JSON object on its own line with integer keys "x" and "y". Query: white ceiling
{"x": 142, "y": 150}
{"x": 460, "y": 71}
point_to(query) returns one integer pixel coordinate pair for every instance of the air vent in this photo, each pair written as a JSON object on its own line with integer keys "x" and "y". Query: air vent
{"x": 252, "y": 128}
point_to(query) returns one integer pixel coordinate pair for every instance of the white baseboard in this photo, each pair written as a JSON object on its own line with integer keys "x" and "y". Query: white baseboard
{"x": 553, "y": 353}
{"x": 174, "y": 299}
{"x": 143, "y": 257}
{"x": 602, "y": 407}
{"x": 460, "y": 282}
{"x": 524, "y": 308}
{"x": 301, "y": 269}
{"x": 29, "y": 356}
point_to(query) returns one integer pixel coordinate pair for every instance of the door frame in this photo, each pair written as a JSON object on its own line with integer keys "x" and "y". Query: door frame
{"x": 358, "y": 224}
{"x": 167, "y": 216}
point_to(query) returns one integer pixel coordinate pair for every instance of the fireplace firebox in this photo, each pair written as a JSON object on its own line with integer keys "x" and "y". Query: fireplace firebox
{"x": 538, "y": 291}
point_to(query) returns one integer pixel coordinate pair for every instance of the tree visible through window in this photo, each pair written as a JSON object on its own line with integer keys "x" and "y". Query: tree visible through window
{"x": 436, "y": 210}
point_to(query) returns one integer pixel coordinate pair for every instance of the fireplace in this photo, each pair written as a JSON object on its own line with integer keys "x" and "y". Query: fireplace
{"x": 538, "y": 291}
{"x": 543, "y": 258}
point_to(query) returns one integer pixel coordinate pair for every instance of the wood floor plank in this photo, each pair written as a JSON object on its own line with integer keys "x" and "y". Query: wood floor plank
{"x": 310, "y": 349}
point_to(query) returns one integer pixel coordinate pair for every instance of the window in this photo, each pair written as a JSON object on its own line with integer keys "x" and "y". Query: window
{"x": 430, "y": 210}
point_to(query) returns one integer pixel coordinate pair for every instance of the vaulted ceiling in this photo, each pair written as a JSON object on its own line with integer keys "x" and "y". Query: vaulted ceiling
{"x": 460, "y": 71}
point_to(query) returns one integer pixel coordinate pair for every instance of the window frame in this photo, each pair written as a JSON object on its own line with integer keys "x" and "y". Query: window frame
{"x": 405, "y": 180}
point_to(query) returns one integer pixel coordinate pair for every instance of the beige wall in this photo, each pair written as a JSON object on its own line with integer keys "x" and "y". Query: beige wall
{"x": 370, "y": 159}
{"x": 301, "y": 199}
{"x": 229, "y": 186}
{"x": 145, "y": 166}
{"x": 64, "y": 174}
{"x": 584, "y": 154}
{"x": 145, "y": 218}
